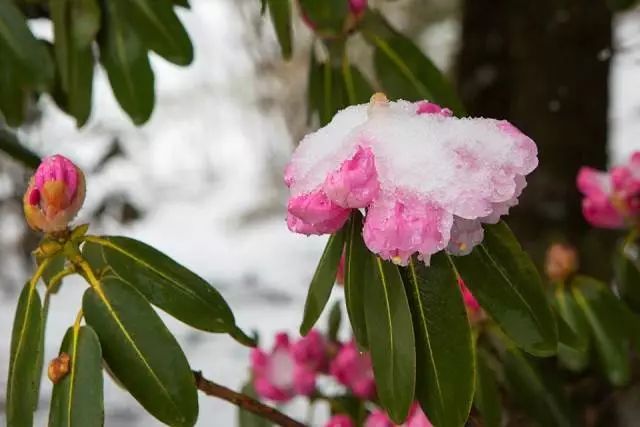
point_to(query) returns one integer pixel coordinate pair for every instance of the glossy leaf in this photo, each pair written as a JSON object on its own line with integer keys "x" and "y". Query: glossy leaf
{"x": 280, "y": 11}
{"x": 10, "y": 145}
{"x": 328, "y": 17}
{"x": 487, "y": 395}
{"x": 358, "y": 270}
{"x": 322, "y": 282}
{"x": 125, "y": 59}
{"x": 246, "y": 418}
{"x": 77, "y": 400}
{"x": 358, "y": 90}
{"x": 404, "y": 71}
{"x": 141, "y": 352}
{"x": 445, "y": 354}
{"x": 169, "y": 285}
{"x": 606, "y": 318}
{"x": 13, "y": 95}
{"x": 29, "y": 54}
{"x": 507, "y": 285}
{"x": 536, "y": 393}
{"x": 391, "y": 340}
{"x": 160, "y": 30}
{"x": 76, "y": 24}
{"x": 23, "y": 381}
{"x": 574, "y": 356}
{"x": 334, "y": 321}
{"x": 627, "y": 273}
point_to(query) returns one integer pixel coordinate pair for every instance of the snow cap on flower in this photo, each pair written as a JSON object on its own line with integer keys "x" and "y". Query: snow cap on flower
{"x": 55, "y": 195}
{"x": 311, "y": 351}
{"x": 416, "y": 418}
{"x": 277, "y": 376}
{"x": 427, "y": 180}
{"x": 340, "y": 420}
{"x": 354, "y": 370}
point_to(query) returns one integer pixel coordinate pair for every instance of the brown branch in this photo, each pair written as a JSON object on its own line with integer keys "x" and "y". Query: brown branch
{"x": 243, "y": 401}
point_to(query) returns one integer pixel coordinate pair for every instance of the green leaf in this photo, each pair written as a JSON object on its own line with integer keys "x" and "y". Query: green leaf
{"x": 357, "y": 88}
{"x": 280, "y": 11}
{"x": 335, "y": 319}
{"x": 30, "y": 55}
{"x": 606, "y": 317}
{"x": 627, "y": 274}
{"x": 445, "y": 353}
{"x": 328, "y": 16}
{"x": 168, "y": 285}
{"x": 536, "y": 393}
{"x": 246, "y": 418}
{"x": 13, "y": 95}
{"x": 94, "y": 255}
{"x": 358, "y": 269}
{"x": 10, "y": 145}
{"x": 141, "y": 352}
{"x": 76, "y": 24}
{"x": 391, "y": 340}
{"x": 77, "y": 400}
{"x": 323, "y": 280}
{"x": 23, "y": 382}
{"x": 404, "y": 71}
{"x": 125, "y": 59}
{"x": 160, "y": 30}
{"x": 574, "y": 354}
{"x": 487, "y": 395}
{"x": 507, "y": 285}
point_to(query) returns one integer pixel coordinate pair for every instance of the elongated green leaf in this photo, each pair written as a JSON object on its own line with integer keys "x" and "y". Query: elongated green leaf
{"x": 77, "y": 400}
{"x": 334, "y": 321}
{"x": 10, "y": 145}
{"x": 357, "y": 270}
{"x": 606, "y": 317}
{"x": 444, "y": 345}
{"x": 487, "y": 396}
{"x": 29, "y": 54}
{"x": 404, "y": 71}
{"x": 328, "y": 16}
{"x": 141, "y": 352}
{"x": 574, "y": 355}
{"x": 246, "y": 418}
{"x": 280, "y": 11}
{"x": 358, "y": 90}
{"x": 125, "y": 58}
{"x": 537, "y": 394}
{"x": 76, "y": 24}
{"x": 627, "y": 273}
{"x": 391, "y": 340}
{"x": 508, "y": 287}
{"x": 168, "y": 285}
{"x": 160, "y": 30}
{"x": 13, "y": 95}
{"x": 323, "y": 280}
{"x": 24, "y": 375}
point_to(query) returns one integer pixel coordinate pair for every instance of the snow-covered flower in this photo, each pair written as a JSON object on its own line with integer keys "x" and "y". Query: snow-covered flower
{"x": 417, "y": 418}
{"x": 612, "y": 200}
{"x": 425, "y": 179}
{"x": 55, "y": 195}
{"x": 340, "y": 420}
{"x": 311, "y": 352}
{"x": 277, "y": 376}
{"x": 354, "y": 370}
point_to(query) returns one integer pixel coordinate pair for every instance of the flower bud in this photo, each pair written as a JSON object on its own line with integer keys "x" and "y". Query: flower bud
{"x": 561, "y": 262}
{"x": 55, "y": 195}
{"x": 59, "y": 368}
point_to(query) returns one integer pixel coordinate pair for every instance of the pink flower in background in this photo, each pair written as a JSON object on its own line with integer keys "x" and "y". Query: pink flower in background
{"x": 55, "y": 194}
{"x": 340, "y": 420}
{"x": 354, "y": 370}
{"x": 427, "y": 180}
{"x": 417, "y": 418}
{"x": 311, "y": 352}
{"x": 277, "y": 376}
{"x": 612, "y": 200}
{"x": 357, "y": 6}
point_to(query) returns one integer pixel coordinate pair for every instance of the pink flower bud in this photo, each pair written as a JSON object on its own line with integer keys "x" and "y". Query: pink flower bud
{"x": 354, "y": 370}
{"x": 416, "y": 418}
{"x": 311, "y": 351}
{"x": 340, "y": 420}
{"x": 355, "y": 184}
{"x": 55, "y": 195}
{"x": 357, "y": 6}
{"x": 473, "y": 307}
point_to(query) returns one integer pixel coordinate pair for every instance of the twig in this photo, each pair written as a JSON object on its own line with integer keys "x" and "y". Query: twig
{"x": 245, "y": 402}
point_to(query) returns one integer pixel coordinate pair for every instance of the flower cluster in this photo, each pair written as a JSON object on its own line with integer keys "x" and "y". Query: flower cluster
{"x": 425, "y": 180}
{"x": 291, "y": 369}
{"x": 55, "y": 195}
{"x": 378, "y": 418}
{"x": 611, "y": 199}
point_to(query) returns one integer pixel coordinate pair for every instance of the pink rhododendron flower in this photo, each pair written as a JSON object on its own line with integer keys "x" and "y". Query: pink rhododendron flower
{"x": 417, "y": 418}
{"x": 357, "y": 6}
{"x": 311, "y": 352}
{"x": 612, "y": 200}
{"x": 427, "y": 180}
{"x": 340, "y": 420}
{"x": 354, "y": 370}
{"x": 55, "y": 194}
{"x": 277, "y": 376}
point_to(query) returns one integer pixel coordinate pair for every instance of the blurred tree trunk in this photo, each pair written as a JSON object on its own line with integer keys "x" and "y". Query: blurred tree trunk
{"x": 544, "y": 66}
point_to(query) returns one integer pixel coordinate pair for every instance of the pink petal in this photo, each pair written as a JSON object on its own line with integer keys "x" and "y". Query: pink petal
{"x": 355, "y": 184}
